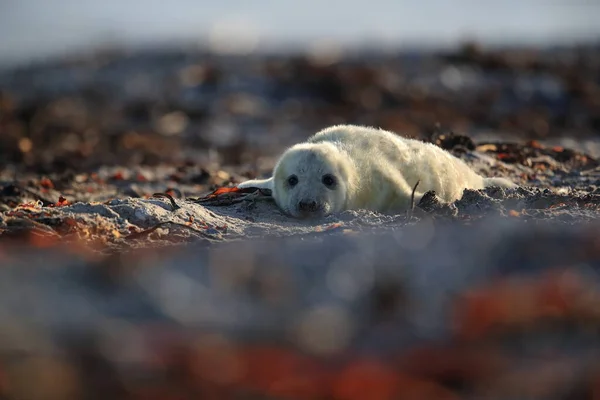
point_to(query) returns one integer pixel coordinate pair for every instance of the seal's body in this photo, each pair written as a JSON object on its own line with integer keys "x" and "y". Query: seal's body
{"x": 354, "y": 167}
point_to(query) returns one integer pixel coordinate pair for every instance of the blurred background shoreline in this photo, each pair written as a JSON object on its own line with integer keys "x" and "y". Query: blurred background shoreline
{"x": 87, "y": 83}
{"x": 32, "y": 30}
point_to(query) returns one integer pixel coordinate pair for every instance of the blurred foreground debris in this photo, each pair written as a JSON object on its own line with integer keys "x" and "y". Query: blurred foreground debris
{"x": 499, "y": 309}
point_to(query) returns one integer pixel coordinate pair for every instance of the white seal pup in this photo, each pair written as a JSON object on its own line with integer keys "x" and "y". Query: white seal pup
{"x": 348, "y": 167}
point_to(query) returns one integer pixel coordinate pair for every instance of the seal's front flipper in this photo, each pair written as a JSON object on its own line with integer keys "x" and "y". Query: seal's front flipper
{"x": 257, "y": 183}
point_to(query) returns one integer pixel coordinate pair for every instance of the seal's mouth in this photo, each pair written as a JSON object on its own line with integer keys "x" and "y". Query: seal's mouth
{"x": 309, "y": 214}
{"x": 311, "y": 211}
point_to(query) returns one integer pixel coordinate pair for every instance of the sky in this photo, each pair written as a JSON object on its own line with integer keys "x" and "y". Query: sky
{"x": 37, "y": 28}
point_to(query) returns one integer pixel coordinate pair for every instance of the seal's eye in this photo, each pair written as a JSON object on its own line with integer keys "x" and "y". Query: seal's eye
{"x": 292, "y": 180}
{"x": 328, "y": 180}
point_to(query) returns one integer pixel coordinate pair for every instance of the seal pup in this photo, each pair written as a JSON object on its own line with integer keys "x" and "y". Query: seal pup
{"x": 349, "y": 167}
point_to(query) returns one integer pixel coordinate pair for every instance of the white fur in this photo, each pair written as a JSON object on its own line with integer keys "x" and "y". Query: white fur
{"x": 374, "y": 170}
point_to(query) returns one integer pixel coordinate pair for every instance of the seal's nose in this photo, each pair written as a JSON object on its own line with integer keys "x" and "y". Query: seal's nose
{"x": 308, "y": 205}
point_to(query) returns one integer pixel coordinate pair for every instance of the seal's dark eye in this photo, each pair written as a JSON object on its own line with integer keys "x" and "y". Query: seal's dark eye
{"x": 292, "y": 180}
{"x": 328, "y": 180}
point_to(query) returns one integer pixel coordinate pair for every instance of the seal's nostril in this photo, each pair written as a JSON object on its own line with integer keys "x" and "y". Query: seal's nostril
{"x": 303, "y": 206}
{"x": 308, "y": 205}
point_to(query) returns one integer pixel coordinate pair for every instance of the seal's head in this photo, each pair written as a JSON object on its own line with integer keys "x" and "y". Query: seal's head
{"x": 310, "y": 180}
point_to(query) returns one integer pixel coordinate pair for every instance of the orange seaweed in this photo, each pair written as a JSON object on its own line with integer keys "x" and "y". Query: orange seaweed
{"x": 61, "y": 202}
{"x": 118, "y": 176}
{"x": 366, "y": 376}
{"x": 224, "y": 190}
{"x": 141, "y": 178}
{"x": 282, "y": 373}
{"x": 41, "y": 240}
{"x": 454, "y": 362}
{"x": 46, "y": 183}
{"x": 477, "y": 312}
{"x": 376, "y": 380}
